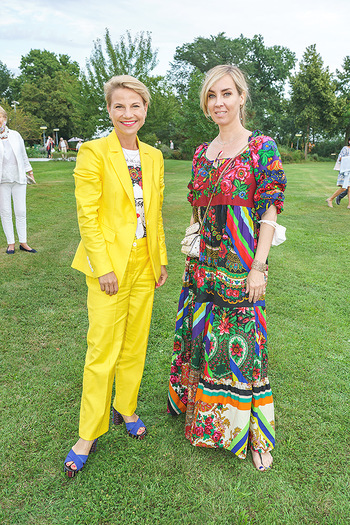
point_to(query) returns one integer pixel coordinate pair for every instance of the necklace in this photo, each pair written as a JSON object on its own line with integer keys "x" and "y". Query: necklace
{"x": 224, "y": 143}
{"x": 132, "y": 157}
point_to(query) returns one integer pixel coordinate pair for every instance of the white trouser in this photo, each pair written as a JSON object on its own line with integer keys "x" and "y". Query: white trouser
{"x": 18, "y": 194}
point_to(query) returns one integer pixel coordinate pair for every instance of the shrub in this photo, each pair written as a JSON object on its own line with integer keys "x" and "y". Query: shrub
{"x": 327, "y": 147}
{"x": 167, "y": 152}
{"x": 36, "y": 151}
{"x": 290, "y": 155}
{"x": 177, "y": 154}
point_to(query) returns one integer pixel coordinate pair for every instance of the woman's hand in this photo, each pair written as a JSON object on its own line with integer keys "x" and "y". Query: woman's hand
{"x": 256, "y": 285}
{"x": 31, "y": 175}
{"x": 163, "y": 277}
{"x": 109, "y": 283}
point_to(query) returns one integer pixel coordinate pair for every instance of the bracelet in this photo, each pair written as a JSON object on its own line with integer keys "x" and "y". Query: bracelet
{"x": 257, "y": 265}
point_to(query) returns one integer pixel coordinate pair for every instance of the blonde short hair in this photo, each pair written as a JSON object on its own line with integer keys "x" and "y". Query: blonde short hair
{"x": 215, "y": 74}
{"x": 3, "y": 111}
{"x": 126, "y": 81}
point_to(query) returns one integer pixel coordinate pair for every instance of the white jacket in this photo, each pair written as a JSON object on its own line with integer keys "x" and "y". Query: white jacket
{"x": 19, "y": 150}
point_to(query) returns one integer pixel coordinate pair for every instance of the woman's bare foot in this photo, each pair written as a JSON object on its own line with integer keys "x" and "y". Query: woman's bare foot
{"x": 329, "y": 203}
{"x": 262, "y": 460}
{"x": 81, "y": 447}
{"x": 133, "y": 419}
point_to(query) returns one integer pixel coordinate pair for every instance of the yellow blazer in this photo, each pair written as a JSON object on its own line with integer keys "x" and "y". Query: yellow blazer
{"x": 106, "y": 207}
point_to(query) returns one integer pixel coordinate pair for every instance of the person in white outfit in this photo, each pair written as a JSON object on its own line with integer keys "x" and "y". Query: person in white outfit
{"x": 344, "y": 175}
{"x": 14, "y": 168}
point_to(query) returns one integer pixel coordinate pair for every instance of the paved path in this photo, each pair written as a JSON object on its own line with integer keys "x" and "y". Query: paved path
{"x": 43, "y": 159}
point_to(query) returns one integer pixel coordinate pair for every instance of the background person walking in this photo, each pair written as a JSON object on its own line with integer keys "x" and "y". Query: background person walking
{"x": 63, "y": 147}
{"x": 49, "y": 146}
{"x": 344, "y": 176}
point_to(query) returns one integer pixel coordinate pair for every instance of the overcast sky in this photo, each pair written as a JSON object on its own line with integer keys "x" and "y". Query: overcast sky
{"x": 70, "y": 27}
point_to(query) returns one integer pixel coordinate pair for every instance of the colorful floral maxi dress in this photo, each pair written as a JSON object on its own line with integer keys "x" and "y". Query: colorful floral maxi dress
{"x": 219, "y": 366}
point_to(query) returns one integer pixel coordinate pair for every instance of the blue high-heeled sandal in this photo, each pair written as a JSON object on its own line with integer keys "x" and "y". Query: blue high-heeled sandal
{"x": 131, "y": 428}
{"x": 78, "y": 459}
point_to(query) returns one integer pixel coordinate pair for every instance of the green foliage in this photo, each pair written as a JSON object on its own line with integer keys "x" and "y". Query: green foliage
{"x": 163, "y": 480}
{"x": 194, "y": 126}
{"x": 163, "y": 112}
{"x": 313, "y": 98}
{"x": 130, "y": 56}
{"x": 36, "y": 152}
{"x": 289, "y": 155}
{"x": 343, "y": 90}
{"x": 37, "y": 64}
{"x": 327, "y": 147}
{"x": 27, "y": 124}
{"x": 50, "y": 91}
{"x": 203, "y": 54}
{"x": 53, "y": 101}
{"x": 266, "y": 68}
{"x": 5, "y": 81}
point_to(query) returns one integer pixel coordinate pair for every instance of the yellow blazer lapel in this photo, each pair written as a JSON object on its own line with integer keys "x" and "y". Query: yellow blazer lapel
{"x": 120, "y": 167}
{"x": 147, "y": 175}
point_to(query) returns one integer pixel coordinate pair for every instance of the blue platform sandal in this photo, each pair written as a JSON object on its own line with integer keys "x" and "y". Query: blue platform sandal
{"x": 131, "y": 428}
{"x": 78, "y": 459}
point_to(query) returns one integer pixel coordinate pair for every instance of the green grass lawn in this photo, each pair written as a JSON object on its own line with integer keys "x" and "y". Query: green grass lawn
{"x": 164, "y": 480}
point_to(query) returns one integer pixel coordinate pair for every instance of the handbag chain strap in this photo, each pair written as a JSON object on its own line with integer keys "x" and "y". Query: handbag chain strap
{"x": 225, "y": 170}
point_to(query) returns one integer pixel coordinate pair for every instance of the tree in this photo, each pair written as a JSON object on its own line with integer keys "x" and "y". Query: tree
{"x": 343, "y": 91}
{"x": 26, "y": 124}
{"x": 49, "y": 89}
{"x": 267, "y": 70}
{"x": 196, "y": 128}
{"x": 130, "y": 56}
{"x": 162, "y": 114}
{"x": 58, "y": 103}
{"x": 203, "y": 54}
{"x": 313, "y": 99}
{"x": 37, "y": 64}
{"x": 5, "y": 81}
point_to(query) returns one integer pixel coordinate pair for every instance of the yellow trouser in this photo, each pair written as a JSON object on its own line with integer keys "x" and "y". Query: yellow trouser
{"x": 117, "y": 342}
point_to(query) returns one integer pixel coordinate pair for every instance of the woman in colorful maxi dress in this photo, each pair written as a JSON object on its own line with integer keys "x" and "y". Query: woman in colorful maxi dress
{"x": 219, "y": 366}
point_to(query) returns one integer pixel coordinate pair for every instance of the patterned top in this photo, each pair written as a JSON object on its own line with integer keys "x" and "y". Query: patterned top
{"x": 256, "y": 180}
{"x": 344, "y": 152}
{"x": 344, "y": 161}
{"x": 230, "y": 231}
{"x": 133, "y": 161}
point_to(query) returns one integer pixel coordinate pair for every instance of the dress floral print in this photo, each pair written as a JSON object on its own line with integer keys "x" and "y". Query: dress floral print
{"x": 219, "y": 367}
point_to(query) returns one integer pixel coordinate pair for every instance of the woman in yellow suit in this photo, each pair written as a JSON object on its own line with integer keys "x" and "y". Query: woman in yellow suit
{"x": 119, "y": 191}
